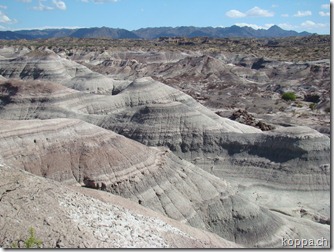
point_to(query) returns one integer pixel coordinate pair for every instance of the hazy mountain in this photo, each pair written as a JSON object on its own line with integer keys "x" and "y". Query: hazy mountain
{"x": 103, "y": 32}
{"x": 276, "y": 31}
{"x": 153, "y": 33}
{"x": 13, "y": 35}
{"x": 46, "y": 33}
{"x": 219, "y": 32}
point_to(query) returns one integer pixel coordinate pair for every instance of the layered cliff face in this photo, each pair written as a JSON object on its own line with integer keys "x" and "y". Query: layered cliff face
{"x": 46, "y": 65}
{"x": 157, "y": 115}
{"x": 173, "y": 155}
{"x": 224, "y": 81}
{"x": 66, "y": 150}
{"x": 72, "y": 217}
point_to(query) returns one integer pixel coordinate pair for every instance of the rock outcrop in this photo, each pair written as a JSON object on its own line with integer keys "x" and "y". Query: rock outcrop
{"x": 159, "y": 147}
{"x": 244, "y": 117}
{"x": 65, "y": 150}
{"x": 46, "y": 65}
{"x": 157, "y": 115}
{"x": 73, "y": 217}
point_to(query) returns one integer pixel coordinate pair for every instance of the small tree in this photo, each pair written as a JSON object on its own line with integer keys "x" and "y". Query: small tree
{"x": 289, "y": 96}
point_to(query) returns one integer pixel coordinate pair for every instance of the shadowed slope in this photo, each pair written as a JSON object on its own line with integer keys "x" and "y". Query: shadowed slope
{"x": 157, "y": 115}
{"x": 288, "y": 161}
{"x": 72, "y": 217}
{"x": 65, "y": 150}
{"x": 47, "y": 65}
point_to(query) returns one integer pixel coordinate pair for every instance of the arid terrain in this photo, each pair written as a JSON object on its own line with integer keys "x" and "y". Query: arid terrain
{"x": 192, "y": 138}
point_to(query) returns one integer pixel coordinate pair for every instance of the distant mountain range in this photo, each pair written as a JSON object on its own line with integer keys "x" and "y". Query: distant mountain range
{"x": 153, "y": 33}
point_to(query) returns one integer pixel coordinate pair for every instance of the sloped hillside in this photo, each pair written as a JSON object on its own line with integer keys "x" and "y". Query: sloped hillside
{"x": 72, "y": 217}
{"x": 146, "y": 124}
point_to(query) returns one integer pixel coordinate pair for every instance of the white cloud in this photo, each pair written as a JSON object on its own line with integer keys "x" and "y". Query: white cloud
{"x": 307, "y": 25}
{"x": 324, "y": 14}
{"x": 59, "y": 5}
{"x": 258, "y": 12}
{"x": 24, "y": 1}
{"x": 5, "y": 19}
{"x": 50, "y": 27}
{"x": 254, "y": 12}
{"x": 303, "y": 13}
{"x": 325, "y": 6}
{"x": 287, "y": 26}
{"x": 42, "y": 7}
{"x": 235, "y": 14}
{"x": 255, "y": 26}
{"x": 285, "y": 15}
{"x": 3, "y": 7}
{"x": 312, "y": 25}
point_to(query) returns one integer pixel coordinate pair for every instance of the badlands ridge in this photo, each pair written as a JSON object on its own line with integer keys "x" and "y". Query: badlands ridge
{"x": 154, "y": 126}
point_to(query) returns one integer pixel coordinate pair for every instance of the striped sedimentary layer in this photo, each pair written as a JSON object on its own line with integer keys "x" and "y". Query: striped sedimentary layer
{"x": 154, "y": 114}
{"x": 72, "y": 217}
{"x": 47, "y": 65}
{"x": 157, "y": 115}
{"x": 67, "y": 149}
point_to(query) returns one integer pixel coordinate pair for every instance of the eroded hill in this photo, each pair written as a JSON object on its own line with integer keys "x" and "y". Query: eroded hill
{"x": 150, "y": 119}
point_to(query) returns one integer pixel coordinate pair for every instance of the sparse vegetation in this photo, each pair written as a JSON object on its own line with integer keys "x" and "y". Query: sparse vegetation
{"x": 312, "y": 106}
{"x": 289, "y": 96}
{"x": 31, "y": 241}
{"x": 229, "y": 88}
{"x": 284, "y": 48}
{"x": 299, "y": 104}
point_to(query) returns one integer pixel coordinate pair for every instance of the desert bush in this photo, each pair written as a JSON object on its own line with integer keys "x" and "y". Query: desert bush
{"x": 289, "y": 96}
{"x": 31, "y": 241}
{"x": 299, "y": 104}
{"x": 312, "y": 106}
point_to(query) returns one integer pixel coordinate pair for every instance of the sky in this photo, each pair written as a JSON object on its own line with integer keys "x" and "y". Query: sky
{"x": 299, "y": 15}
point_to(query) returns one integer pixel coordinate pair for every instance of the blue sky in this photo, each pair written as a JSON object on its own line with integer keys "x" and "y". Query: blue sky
{"x": 299, "y": 15}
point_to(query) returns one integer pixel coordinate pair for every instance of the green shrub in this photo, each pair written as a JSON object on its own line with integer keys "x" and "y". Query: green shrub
{"x": 31, "y": 242}
{"x": 312, "y": 106}
{"x": 289, "y": 96}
